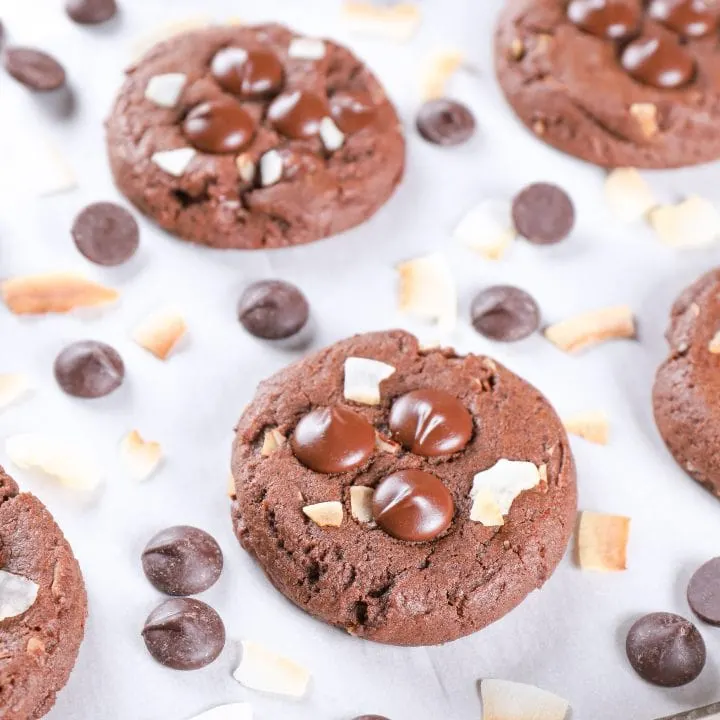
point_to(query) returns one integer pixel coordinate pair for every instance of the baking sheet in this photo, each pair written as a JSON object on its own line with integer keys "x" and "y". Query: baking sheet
{"x": 568, "y": 638}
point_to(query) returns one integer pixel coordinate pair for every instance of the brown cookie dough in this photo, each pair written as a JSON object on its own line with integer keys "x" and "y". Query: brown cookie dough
{"x": 358, "y": 576}
{"x": 222, "y": 198}
{"x": 621, "y": 85}
{"x": 686, "y": 396}
{"x": 38, "y": 648}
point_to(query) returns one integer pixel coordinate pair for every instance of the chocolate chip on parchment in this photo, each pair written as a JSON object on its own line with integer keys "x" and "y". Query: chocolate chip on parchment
{"x": 91, "y": 12}
{"x": 106, "y": 234}
{"x": 445, "y": 122}
{"x": 273, "y": 310}
{"x": 89, "y": 369}
{"x": 505, "y": 313}
{"x": 704, "y": 592}
{"x": 35, "y": 69}
{"x": 543, "y": 213}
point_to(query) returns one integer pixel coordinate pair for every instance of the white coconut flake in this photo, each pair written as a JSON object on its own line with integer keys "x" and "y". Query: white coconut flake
{"x": 487, "y": 228}
{"x": 362, "y": 379}
{"x": 165, "y": 90}
{"x": 17, "y": 594}
{"x": 140, "y": 457}
{"x": 13, "y": 388}
{"x": 325, "y": 514}
{"x": 361, "y": 503}
{"x": 494, "y": 490}
{"x": 628, "y": 195}
{"x": 332, "y": 137}
{"x": 271, "y": 168}
{"x": 263, "y": 670}
{"x": 695, "y": 222}
{"x": 306, "y": 48}
{"x": 233, "y": 711}
{"x": 174, "y": 162}
{"x": 505, "y": 700}
{"x": 397, "y": 21}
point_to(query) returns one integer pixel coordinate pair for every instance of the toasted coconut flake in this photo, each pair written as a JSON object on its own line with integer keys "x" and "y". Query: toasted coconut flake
{"x": 13, "y": 387}
{"x": 695, "y": 222}
{"x": 494, "y": 490}
{"x": 487, "y": 229}
{"x": 386, "y": 445}
{"x": 591, "y": 426}
{"x": 165, "y": 32}
{"x": 713, "y": 347}
{"x": 325, "y": 514}
{"x": 505, "y": 700}
{"x": 263, "y": 670}
{"x": 140, "y": 457}
{"x": 272, "y": 441}
{"x": 17, "y": 594}
{"x": 160, "y": 333}
{"x": 602, "y": 542}
{"x": 174, "y": 162}
{"x": 397, "y": 22}
{"x": 54, "y": 293}
{"x": 71, "y": 465}
{"x": 427, "y": 290}
{"x": 246, "y": 167}
{"x": 440, "y": 68}
{"x": 231, "y": 490}
{"x": 361, "y": 503}
{"x": 234, "y": 711}
{"x": 628, "y": 195}
{"x": 592, "y": 328}
{"x": 165, "y": 90}
{"x": 362, "y": 379}
{"x": 646, "y": 116}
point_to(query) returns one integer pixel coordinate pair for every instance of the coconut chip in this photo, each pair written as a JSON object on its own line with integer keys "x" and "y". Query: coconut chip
{"x": 592, "y": 328}
{"x": 628, "y": 195}
{"x": 174, "y": 162}
{"x": 325, "y": 514}
{"x": 362, "y": 379}
{"x": 602, "y": 542}
{"x": 397, "y": 22}
{"x": 386, "y": 445}
{"x": 591, "y": 426}
{"x": 494, "y": 490}
{"x": 233, "y": 711}
{"x": 714, "y": 345}
{"x": 272, "y": 441}
{"x": 505, "y": 700}
{"x": 160, "y": 333}
{"x": 13, "y": 387}
{"x": 440, "y": 68}
{"x": 165, "y": 32}
{"x": 54, "y": 293}
{"x": 361, "y": 503}
{"x": 140, "y": 457}
{"x": 427, "y": 290}
{"x": 306, "y": 48}
{"x": 487, "y": 229}
{"x": 695, "y": 222}
{"x": 263, "y": 670}
{"x": 165, "y": 90}
{"x": 17, "y": 594}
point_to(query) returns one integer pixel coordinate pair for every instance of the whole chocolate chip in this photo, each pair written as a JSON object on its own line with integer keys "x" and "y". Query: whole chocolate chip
{"x": 606, "y": 19}
{"x": 106, "y": 234}
{"x": 333, "y": 439}
{"x": 688, "y": 18}
{"x": 445, "y": 122}
{"x": 219, "y": 126}
{"x": 297, "y": 114}
{"x": 182, "y": 560}
{"x": 543, "y": 213}
{"x": 35, "y": 69}
{"x": 505, "y": 313}
{"x": 248, "y": 73}
{"x": 666, "y": 649}
{"x": 184, "y": 634}
{"x": 273, "y": 310}
{"x": 430, "y": 422}
{"x": 659, "y": 61}
{"x": 89, "y": 369}
{"x": 704, "y": 592}
{"x": 412, "y": 505}
{"x": 91, "y": 12}
{"x": 352, "y": 110}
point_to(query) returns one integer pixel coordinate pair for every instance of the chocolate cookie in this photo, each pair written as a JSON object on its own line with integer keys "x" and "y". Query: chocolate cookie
{"x": 619, "y": 83}
{"x": 254, "y": 137}
{"x": 39, "y": 646}
{"x": 374, "y": 514}
{"x": 687, "y": 386}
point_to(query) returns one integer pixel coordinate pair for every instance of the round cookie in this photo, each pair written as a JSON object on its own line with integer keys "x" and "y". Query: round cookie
{"x": 357, "y": 575}
{"x": 39, "y": 646}
{"x": 687, "y": 385}
{"x": 306, "y": 142}
{"x": 624, "y": 84}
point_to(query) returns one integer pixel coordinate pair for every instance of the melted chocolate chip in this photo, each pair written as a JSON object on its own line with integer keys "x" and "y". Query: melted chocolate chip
{"x": 273, "y": 310}
{"x": 704, "y": 592}
{"x": 106, "y": 234}
{"x": 688, "y": 18}
{"x": 543, "y": 213}
{"x": 430, "y": 423}
{"x": 658, "y": 61}
{"x": 298, "y": 114}
{"x": 219, "y": 126}
{"x": 412, "y": 505}
{"x": 352, "y": 111}
{"x": 184, "y": 634}
{"x": 36, "y": 70}
{"x": 445, "y": 122}
{"x": 91, "y": 12}
{"x": 609, "y": 19}
{"x": 182, "y": 560}
{"x": 248, "y": 73}
{"x": 333, "y": 440}
{"x": 89, "y": 369}
{"x": 505, "y": 313}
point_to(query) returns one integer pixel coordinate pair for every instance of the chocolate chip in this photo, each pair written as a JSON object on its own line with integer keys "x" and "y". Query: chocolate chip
{"x": 666, "y": 649}
{"x": 297, "y": 114}
{"x": 371, "y": 717}
{"x": 333, "y": 440}
{"x": 91, "y": 12}
{"x": 412, "y": 505}
{"x": 543, "y": 214}
{"x": 35, "y": 69}
{"x": 248, "y": 73}
{"x": 182, "y": 560}
{"x": 219, "y": 126}
{"x": 505, "y": 313}
{"x": 445, "y": 122}
{"x": 89, "y": 369}
{"x": 184, "y": 634}
{"x": 106, "y": 234}
{"x": 704, "y": 592}
{"x": 659, "y": 61}
{"x": 273, "y": 310}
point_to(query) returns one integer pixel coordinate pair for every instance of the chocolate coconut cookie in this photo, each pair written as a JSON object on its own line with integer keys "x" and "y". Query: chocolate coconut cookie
{"x": 42, "y": 606}
{"x": 409, "y": 497}
{"x": 687, "y": 385}
{"x": 254, "y": 137}
{"x": 615, "y": 82}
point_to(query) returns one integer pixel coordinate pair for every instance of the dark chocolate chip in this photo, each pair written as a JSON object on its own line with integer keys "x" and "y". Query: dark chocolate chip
{"x": 91, "y": 12}
{"x": 106, "y": 234}
{"x": 606, "y": 19}
{"x": 273, "y": 310}
{"x": 182, "y": 560}
{"x": 297, "y": 114}
{"x": 219, "y": 126}
{"x": 666, "y": 649}
{"x": 704, "y": 592}
{"x": 659, "y": 61}
{"x": 89, "y": 369}
{"x": 184, "y": 634}
{"x": 35, "y": 69}
{"x": 688, "y": 18}
{"x": 445, "y": 122}
{"x": 248, "y": 73}
{"x": 505, "y": 313}
{"x": 543, "y": 213}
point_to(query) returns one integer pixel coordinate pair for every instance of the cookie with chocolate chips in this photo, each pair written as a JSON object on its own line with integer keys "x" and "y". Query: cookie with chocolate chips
{"x": 43, "y": 606}
{"x": 254, "y": 137}
{"x": 687, "y": 384}
{"x": 619, "y": 83}
{"x": 362, "y": 488}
